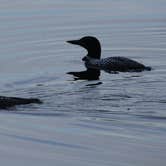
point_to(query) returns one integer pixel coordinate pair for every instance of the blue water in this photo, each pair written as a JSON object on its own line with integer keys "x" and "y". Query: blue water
{"x": 119, "y": 122}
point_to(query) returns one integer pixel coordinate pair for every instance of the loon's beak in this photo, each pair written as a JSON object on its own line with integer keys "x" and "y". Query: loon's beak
{"x": 77, "y": 42}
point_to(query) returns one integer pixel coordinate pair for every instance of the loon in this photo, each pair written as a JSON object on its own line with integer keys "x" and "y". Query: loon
{"x": 6, "y": 102}
{"x": 94, "y": 63}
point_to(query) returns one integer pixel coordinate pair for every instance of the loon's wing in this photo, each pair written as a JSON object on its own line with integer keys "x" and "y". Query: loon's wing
{"x": 121, "y": 64}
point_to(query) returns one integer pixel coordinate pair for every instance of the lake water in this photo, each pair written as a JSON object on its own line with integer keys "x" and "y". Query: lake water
{"x": 120, "y": 122}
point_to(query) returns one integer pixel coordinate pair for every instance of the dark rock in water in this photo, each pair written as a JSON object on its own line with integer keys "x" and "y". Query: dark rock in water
{"x": 6, "y": 102}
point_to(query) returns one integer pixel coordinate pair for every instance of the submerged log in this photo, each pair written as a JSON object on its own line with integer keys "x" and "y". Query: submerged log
{"x": 6, "y": 102}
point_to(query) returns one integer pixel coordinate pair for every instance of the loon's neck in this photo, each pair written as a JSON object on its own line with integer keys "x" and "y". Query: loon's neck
{"x": 94, "y": 53}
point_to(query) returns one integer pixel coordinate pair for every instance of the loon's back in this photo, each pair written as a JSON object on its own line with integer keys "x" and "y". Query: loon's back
{"x": 110, "y": 64}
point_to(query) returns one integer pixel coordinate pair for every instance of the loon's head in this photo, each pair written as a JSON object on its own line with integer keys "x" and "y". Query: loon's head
{"x": 91, "y": 44}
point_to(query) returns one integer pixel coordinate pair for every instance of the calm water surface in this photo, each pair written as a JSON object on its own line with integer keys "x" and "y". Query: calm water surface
{"x": 119, "y": 122}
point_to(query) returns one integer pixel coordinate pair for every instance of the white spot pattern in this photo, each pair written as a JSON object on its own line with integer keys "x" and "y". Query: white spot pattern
{"x": 114, "y": 64}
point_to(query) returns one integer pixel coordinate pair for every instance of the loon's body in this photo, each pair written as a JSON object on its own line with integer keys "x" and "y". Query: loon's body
{"x": 6, "y": 102}
{"x": 94, "y": 64}
{"x": 114, "y": 64}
